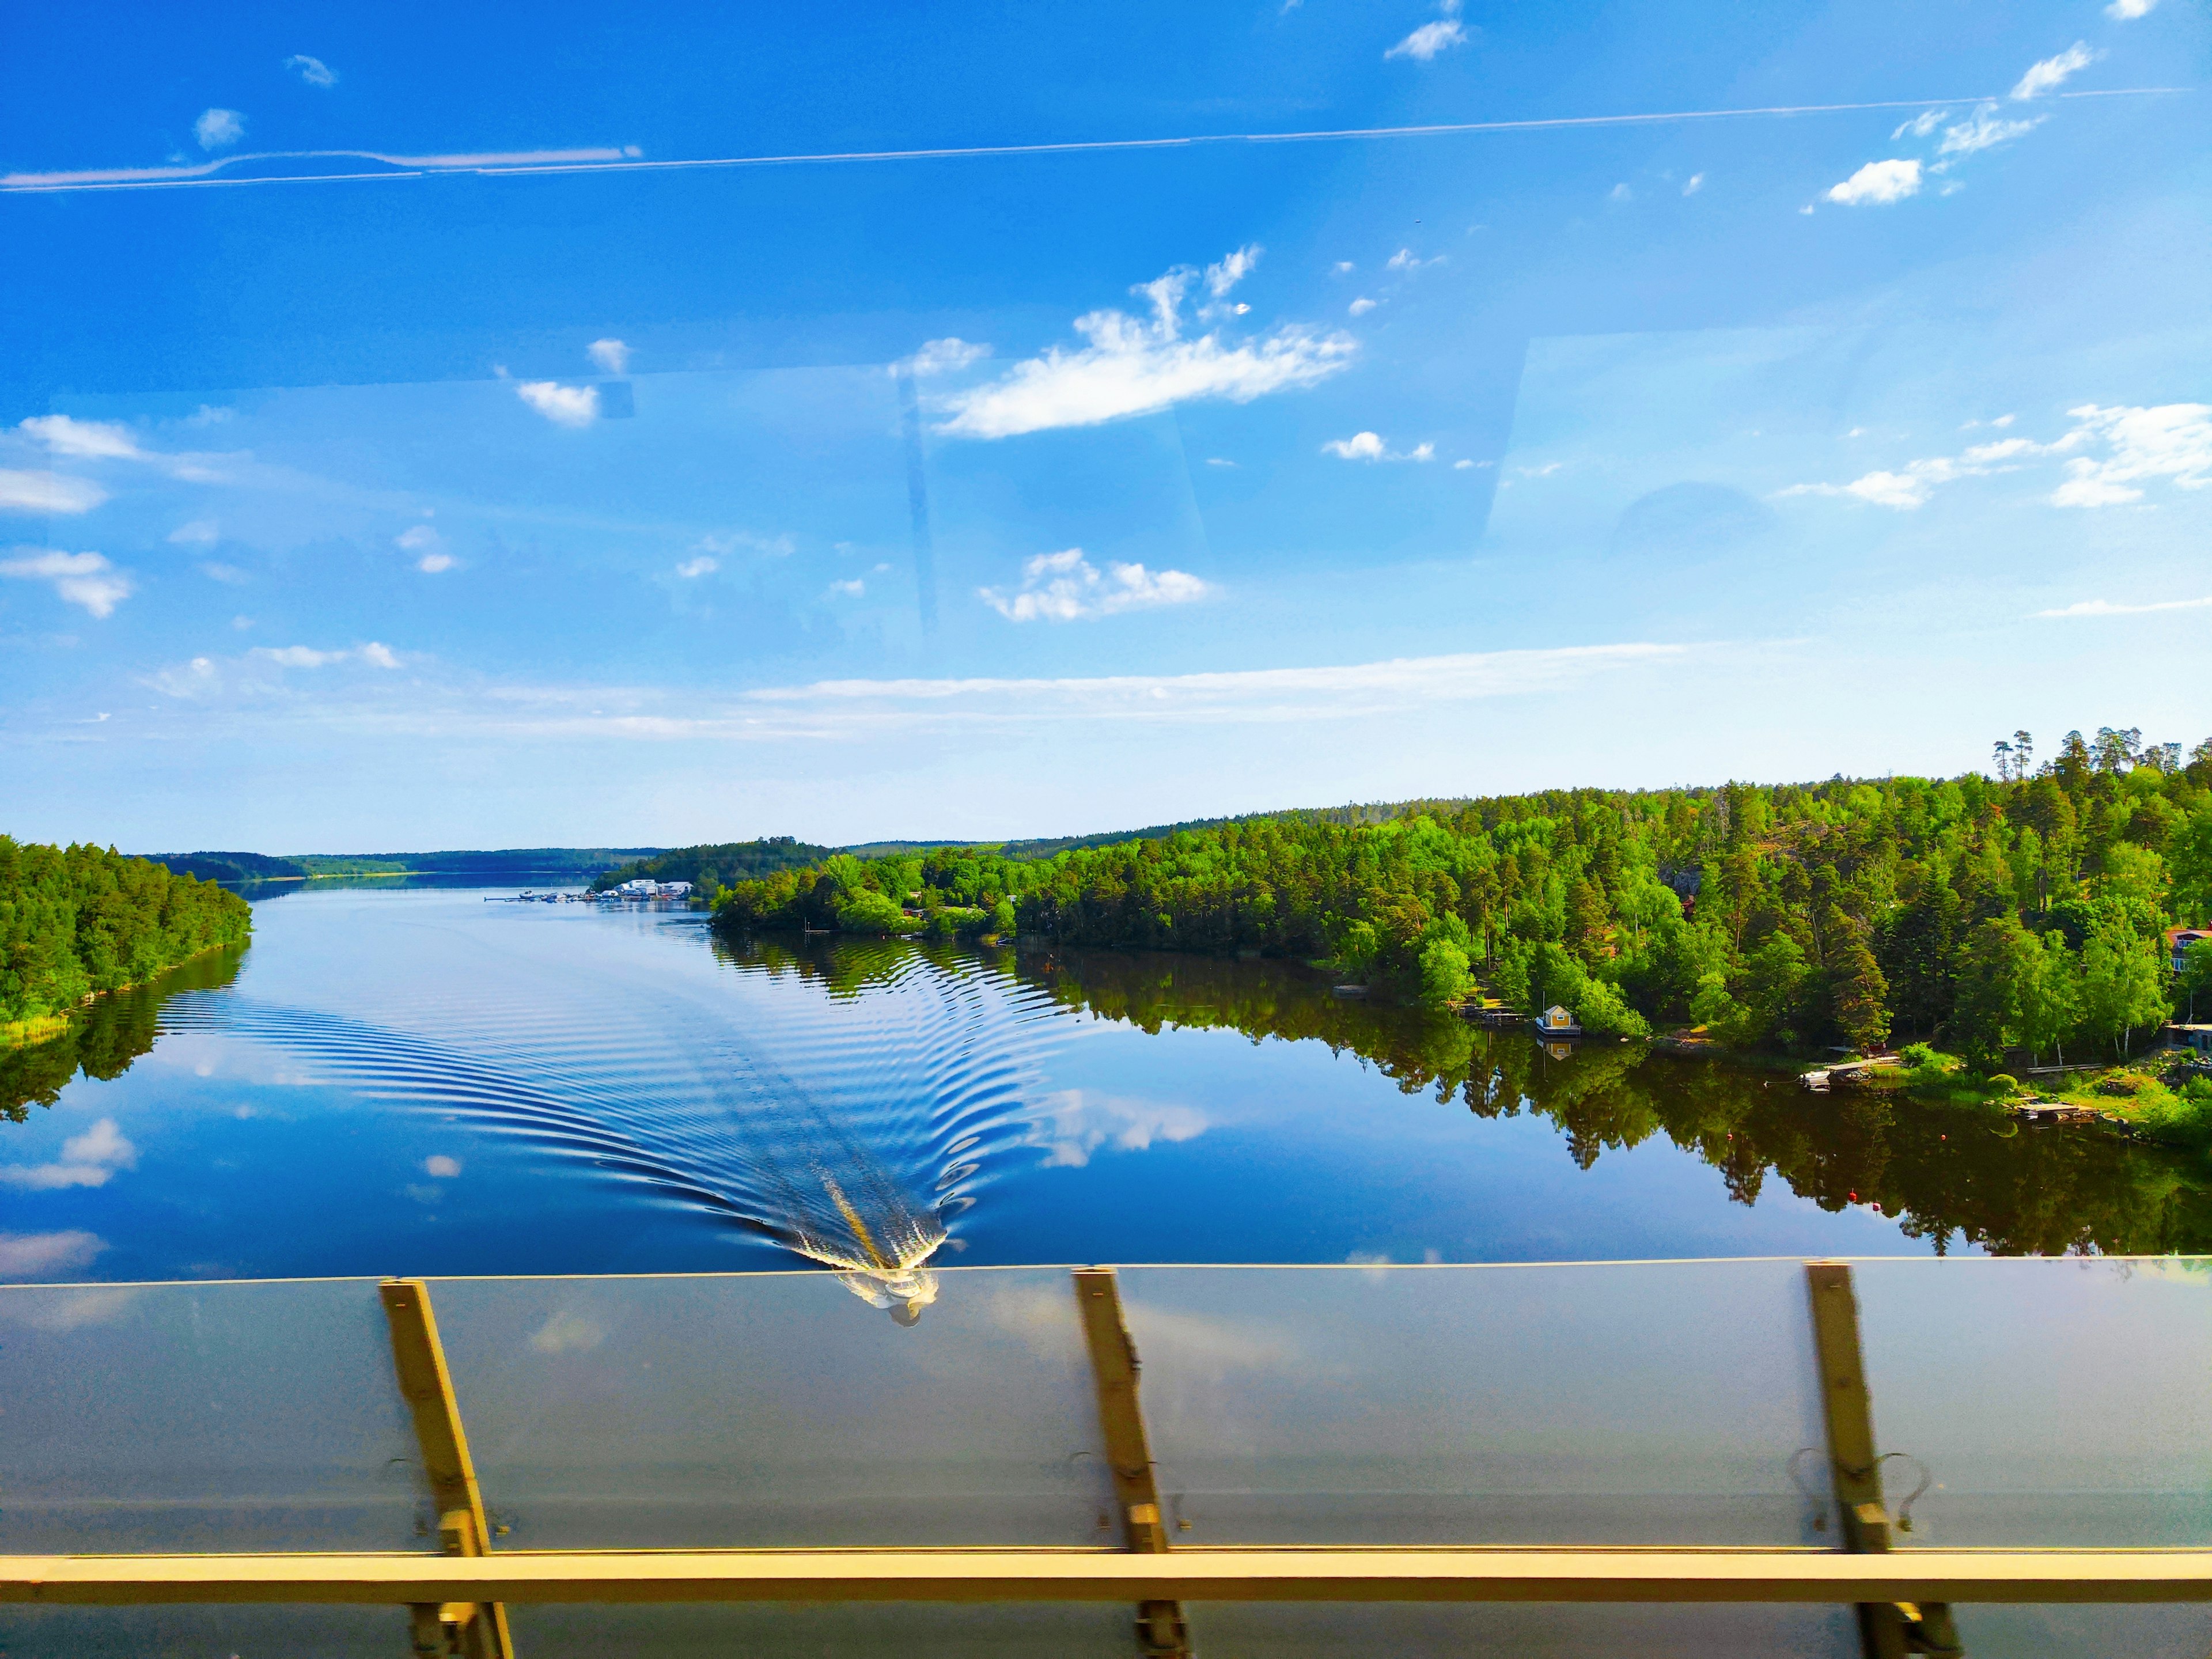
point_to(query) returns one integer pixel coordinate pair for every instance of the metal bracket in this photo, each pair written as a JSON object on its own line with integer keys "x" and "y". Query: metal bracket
{"x": 450, "y": 1630}
{"x": 1887, "y": 1630}
{"x": 1162, "y": 1630}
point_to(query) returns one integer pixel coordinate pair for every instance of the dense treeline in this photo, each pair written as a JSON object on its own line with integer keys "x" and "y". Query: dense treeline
{"x": 2026, "y": 911}
{"x": 712, "y": 868}
{"x": 77, "y": 920}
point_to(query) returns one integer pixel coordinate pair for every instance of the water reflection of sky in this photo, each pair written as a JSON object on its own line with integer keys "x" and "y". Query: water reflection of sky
{"x": 427, "y": 1083}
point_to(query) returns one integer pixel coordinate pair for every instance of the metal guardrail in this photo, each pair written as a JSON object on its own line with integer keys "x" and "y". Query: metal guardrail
{"x": 458, "y": 1599}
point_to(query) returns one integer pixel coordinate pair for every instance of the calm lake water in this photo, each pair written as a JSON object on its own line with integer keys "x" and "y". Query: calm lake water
{"x": 422, "y": 1082}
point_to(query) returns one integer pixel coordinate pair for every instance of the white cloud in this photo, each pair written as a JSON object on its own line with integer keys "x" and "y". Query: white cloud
{"x": 1878, "y": 183}
{"x": 215, "y": 570}
{"x": 1066, "y": 587}
{"x": 1981, "y": 130}
{"x": 422, "y": 540}
{"x": 1218, "y": 460}
{"x": 47, "y": 492}
{"x": 442, "y": 1167}
{"x": 1368, "y": 446}
{"x": 1921, "y": 125}
{"x": 776, "y": 547}
{"x": 1225, "y": 275}
{"x": 305, "y": 656}
{"x": 1427, "y": 41}
{"x": 63, "y": 434}
{"x": 563, "y": 405}
{"x": 1406, "y": 260}
{"x": 1342, "y": 268}
{"x": 2107, "y": 608}
{"x": 1620, "y": 193}
{"x": 612, "y": 356}
{"x": 944, "y": 357}
{"x": 1697, "y": 182}
{"x": 1461, "y": 466}
{"x": 39, "y": 1255}
{"x": 705, "y": 565}
{"x": 219, "y": 129}
{"x": 200, "y": 532}
{"x": 849, "y": 588}
{"x": 87, "y": 1160}
{"x": 2170, "y": 440}
{"x": 2051, "y": 74}
{"x": 1361, "y": 307}
{"x": 83, "y": 578}
{"x": 2126, "y": 11}
{"x": 312, "y": 70}
{"x": 1132, "y": 366}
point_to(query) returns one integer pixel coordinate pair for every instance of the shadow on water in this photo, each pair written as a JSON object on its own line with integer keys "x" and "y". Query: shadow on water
{"x": 106, "y": 1036}
{"x": 1946, "y": 1173}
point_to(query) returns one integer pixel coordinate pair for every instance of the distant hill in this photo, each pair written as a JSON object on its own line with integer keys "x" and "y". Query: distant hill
{"x": 230, "y": 868}
{"x": 574, "y": 863}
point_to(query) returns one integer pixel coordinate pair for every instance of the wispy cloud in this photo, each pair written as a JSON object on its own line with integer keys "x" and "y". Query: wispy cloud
{"x": 1982, "y": 130}
{"x": 1074, "y": 1123}
{"x": 41, "y": 1256}
{"x": 706, "y": 564}
{"x": 63, "y": 434}
{"x": 609, "y": 356}
{"x": 1427, "y": 41}
{"x": 1137, "y": 365}
{"x": 80, "y": 579}
{"x": 1877, "y": 184}
{"x": 2170, "y": 440}
{"x": 1066, "y": 587}
{"x": 219, "y": 129}
{"x": 312, "y": 70}
{"x": 200, "y": 532}
{"x": 88, "y": 1160}
{"x": 848, "y": 588}
{"x": 944, "y": 357}
{"x": 2107, "y": 608}
{"x": 1695, "y": 183}
{"x": 1406, "y": 260}
{"x": 427, "y": 545}
{"x": 305, "y": 656}
{"x": 1369, "y": 446}
{"x": 1361, "y": 307}
{"x": 2051, "y": 73}
{"x": 2126, "y": 11}
{"x": 1921, "y": 125}
{"x": 47, "y": 493}
{"x": 563, "y": 405}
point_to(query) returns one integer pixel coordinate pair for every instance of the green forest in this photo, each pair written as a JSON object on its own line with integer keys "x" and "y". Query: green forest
{"x": 79, "y": 920}
{"x": 2023, "y": 911}
{"x": 711, "y": 868}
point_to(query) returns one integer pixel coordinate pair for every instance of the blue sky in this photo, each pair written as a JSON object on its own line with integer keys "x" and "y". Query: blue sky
{"x": 418, "y": 431}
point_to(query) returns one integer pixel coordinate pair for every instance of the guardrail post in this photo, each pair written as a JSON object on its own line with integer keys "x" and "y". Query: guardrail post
{"x": 1887, "y": 1630}
{"x": 462, "y": 1630}
{"x": 1162, "y": 1632}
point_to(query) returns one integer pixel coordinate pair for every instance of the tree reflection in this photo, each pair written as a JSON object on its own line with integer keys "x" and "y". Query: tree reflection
{"x": 104, "y": 1036}
{"x": 1948, "y": 1173}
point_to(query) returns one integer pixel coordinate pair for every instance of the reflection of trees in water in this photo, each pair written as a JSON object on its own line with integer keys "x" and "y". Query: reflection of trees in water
{"x": 1948, "y": 1172}
{"x": 104, "y": 1036}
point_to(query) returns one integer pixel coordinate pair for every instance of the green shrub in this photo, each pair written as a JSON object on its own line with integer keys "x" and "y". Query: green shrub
{"x": 867, "y": 911}
{"x": 1918, "y": 1055}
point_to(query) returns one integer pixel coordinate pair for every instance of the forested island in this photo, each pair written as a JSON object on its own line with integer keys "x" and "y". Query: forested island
{"x": 78, "y": 920}
{"x": 2028, "y": 911}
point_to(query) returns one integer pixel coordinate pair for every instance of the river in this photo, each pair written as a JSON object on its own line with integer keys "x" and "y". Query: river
{"x": 424, "y": 1082}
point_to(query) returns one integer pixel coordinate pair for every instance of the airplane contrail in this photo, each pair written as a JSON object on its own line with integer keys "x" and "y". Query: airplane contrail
{"x": 629, "y": 159}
